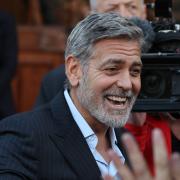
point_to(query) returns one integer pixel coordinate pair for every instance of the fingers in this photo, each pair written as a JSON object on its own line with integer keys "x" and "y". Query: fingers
{"x": 167, "y": 116}
{"x": 164, "y": 169}
{"x": 175, "y": 166}
{"x": 140, "y": 170}
{"x": 107, "y": 177}
{"x": 160, "y": 156}
{"x": 123, "y": 171}
{"x": 137, "y": 161}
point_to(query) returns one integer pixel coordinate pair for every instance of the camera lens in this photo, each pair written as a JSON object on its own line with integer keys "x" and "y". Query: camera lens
{"x": 153, "y": 85}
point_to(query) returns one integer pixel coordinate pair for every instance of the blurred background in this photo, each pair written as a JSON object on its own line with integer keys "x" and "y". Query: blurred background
{"x": 42, "y": 28}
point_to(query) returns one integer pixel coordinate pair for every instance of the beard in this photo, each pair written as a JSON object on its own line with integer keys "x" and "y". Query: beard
{"x": 94, "y": 104}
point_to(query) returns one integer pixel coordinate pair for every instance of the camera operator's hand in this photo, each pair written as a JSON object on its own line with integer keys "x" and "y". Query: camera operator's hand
{"x": 174, "y": 122}
{"x": 165, "y": 169}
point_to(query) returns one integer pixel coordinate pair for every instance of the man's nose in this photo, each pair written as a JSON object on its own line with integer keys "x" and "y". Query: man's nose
{"x": 124, "y": 81}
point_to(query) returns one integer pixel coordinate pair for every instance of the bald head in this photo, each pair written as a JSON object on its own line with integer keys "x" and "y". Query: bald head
{"x": 126, "y": 8}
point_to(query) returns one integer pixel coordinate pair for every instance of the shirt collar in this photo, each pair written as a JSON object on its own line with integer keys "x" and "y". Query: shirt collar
{"x": 80, "y": 121}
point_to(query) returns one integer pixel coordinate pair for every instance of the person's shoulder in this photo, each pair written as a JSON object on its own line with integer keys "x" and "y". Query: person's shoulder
{"x": 54, "y": 80}
{"x": 27, "y": 121}
{"x": 7, "y": 23}
{"x": 59, "y": 71}
{"x": 5, "y": 17}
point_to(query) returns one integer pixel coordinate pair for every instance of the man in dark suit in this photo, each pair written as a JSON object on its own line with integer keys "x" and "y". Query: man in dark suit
{"x": 69, "y": 137}
{"x": 8, "y": 61}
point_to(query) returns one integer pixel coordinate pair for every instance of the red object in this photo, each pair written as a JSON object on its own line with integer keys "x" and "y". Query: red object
{"x": 144, "y": 139}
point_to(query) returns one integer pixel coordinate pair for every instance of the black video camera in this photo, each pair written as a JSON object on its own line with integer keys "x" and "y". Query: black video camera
{"x": 160, "y": 90}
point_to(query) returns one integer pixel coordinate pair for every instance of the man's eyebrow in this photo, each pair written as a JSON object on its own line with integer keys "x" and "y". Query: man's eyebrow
{"x": 138, "y": 63}
{"x": 128, "y": 2}
{"x": 120, "y": 61}
{"x": 112, "y": 61}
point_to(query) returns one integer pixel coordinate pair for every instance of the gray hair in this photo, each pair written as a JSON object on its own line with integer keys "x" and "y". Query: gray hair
{"x": 98, "y": 26}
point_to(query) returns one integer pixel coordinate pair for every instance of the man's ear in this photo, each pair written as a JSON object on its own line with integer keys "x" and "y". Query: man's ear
{"x": 73, "y": 70}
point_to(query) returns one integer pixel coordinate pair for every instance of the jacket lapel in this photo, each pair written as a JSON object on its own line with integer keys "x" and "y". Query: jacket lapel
{"x": 70, "y": 141}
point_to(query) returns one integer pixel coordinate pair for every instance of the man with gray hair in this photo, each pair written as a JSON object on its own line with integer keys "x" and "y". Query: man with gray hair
{"x": 69, "y": 138}
{"x": 54, "y": 80}
{"x": 137, "y": 124}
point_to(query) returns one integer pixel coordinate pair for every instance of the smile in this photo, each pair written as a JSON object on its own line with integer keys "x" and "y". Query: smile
{"x": 117, "y": 101}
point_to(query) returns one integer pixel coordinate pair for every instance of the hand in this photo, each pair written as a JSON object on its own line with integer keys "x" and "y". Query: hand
{"x": 174, "y": 123}
{"x": 165, "y": 169}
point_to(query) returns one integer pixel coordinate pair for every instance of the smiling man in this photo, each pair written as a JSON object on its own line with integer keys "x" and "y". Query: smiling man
{"x": 139, "y": 124}
{"x": 69, "y": 138}
{"x": 54, "y": 80}
{"x": 112, "y": 82}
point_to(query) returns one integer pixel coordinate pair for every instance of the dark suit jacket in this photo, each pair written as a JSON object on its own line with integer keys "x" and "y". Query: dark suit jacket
{"x": 8, "y": 61}
{"x": 45, "y": 144}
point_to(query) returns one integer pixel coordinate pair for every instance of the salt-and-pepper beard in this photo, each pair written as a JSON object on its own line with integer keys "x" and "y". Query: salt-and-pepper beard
{"x": 88, "y": 98}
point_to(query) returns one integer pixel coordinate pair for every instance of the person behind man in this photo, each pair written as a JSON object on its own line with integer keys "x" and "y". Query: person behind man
{"x": 126, "y": 8}
{"x": 139, "y": 124}
{"x": 8, "y": 62}
{"x": 69, "y": 137}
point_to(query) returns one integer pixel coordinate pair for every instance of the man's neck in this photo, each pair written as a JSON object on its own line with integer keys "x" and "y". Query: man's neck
{"x": 100, "y": 129}
{"x": 104, "y": 144}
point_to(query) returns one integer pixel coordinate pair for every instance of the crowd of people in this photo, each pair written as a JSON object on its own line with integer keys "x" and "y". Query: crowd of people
{"x": 84, "y": 109}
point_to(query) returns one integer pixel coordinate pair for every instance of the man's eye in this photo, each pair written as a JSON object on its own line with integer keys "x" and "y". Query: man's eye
{"x": 136, "y": 72}
{"x": 112, "y": 7}
{"x": 111, "y": 70}
{"x": 133, "y": 7}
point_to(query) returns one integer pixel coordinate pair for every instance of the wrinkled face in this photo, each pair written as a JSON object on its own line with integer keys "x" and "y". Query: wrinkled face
{"x": 126, "y": 8}
{"x": 110, "y": 84}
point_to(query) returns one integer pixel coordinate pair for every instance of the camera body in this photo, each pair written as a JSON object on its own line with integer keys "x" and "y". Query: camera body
{"x": 160, "y": 79}
{"x": 160, "y": 89}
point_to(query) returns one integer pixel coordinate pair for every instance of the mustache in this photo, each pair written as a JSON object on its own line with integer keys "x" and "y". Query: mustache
{"x": 119, "y": 92}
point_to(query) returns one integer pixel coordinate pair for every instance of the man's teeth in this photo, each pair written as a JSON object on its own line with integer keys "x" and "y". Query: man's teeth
{"x": 117, "y": 99}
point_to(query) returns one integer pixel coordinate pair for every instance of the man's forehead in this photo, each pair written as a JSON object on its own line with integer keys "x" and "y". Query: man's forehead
{"x": 106, "y": 2}
{"x": 107, "y": 47}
